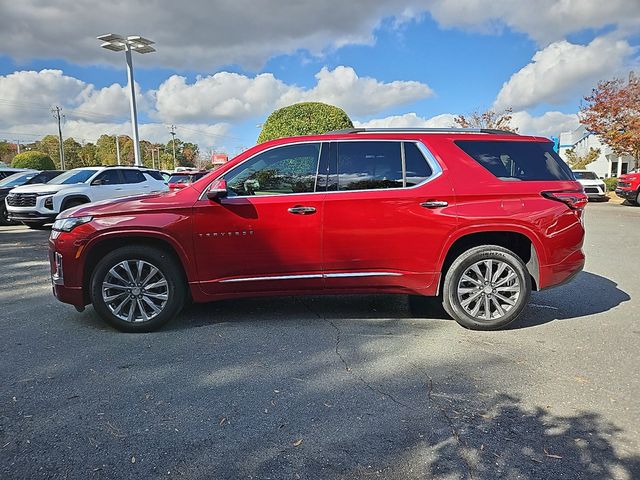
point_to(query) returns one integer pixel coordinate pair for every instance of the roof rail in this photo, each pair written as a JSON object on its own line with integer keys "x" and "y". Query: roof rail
{"x": 490, "y": 131}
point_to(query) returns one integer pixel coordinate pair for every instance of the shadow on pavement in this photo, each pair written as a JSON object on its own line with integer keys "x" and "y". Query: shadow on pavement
{"x": 587, "y": 294}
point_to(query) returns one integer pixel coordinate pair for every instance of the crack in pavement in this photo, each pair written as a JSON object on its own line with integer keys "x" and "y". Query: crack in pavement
{"x": 454, "y": 431}
{"x": 348, "y": 368}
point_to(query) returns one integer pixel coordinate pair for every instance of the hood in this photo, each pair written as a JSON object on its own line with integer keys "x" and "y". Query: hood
{"x": 591, "y": 182}
{"x": 42, "y": 187}
{"x": 130, "y": 205}
{"x": 629, "y": 176}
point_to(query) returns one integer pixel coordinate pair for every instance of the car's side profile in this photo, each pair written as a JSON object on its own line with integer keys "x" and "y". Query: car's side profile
{"x": 478, "y": 218}
{"x": 35, "y": 205}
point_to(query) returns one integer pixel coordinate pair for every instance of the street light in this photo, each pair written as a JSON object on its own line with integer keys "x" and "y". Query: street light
{"x": 118, "y": 43}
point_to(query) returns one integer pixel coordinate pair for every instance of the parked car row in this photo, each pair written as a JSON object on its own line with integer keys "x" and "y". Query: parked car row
{"x": 35, "y": 198}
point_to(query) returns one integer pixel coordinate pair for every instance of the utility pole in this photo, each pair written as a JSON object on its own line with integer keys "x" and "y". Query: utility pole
{"x": 118, "y": 149}
{"x": 153, "y": 160}
{"x": 173, "y": 143}
{"x": 58, "y": 116}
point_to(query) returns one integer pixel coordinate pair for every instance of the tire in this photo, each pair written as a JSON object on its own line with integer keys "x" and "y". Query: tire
{"x": 106, "y": 299}
{"x": 506, "y": 298}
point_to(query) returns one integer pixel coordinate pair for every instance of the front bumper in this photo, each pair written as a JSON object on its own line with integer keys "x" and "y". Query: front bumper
{"x": 31, "y": 216}
{"x": 628, "y": 194}
{"x": 65, "y": 273}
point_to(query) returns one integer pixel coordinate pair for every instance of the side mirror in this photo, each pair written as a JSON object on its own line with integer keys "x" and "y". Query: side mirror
{"x": 217, "y": 190}
{"x": 98, "y": 181}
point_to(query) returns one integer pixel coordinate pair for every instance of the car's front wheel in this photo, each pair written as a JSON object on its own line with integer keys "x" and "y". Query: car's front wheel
{"x": 486, "y": 288}
{"x": 4, "y": 215}
{"x": 138, "y": 288}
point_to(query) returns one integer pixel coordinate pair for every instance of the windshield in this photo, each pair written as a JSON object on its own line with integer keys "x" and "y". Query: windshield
{"x": 17, "y": 179}
{"x": 73, "y": 176}
{"x": 585, "y": 176}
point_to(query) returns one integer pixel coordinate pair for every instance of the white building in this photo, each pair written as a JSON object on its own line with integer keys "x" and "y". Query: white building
{"x": 607, "y": 165}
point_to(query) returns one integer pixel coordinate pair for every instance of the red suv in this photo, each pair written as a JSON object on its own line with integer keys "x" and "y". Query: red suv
{"x": 478, "y": 218}
{"x": 628, "y": 187}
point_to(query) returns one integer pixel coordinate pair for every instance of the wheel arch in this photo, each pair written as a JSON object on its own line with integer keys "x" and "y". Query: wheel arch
{"x": 98, "y": 248}
{"x": 73, "y": 197}
{"x": 524, "y": 245}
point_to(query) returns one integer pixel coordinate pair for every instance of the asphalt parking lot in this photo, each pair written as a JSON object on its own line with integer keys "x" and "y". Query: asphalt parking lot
{"x": 326, "y": 387}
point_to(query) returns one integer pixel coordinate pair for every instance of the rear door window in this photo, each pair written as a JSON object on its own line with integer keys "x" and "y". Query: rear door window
{"x": 369, "y": 165}
{"x": 133, "y": 176}
{"x": 517, "y": 160}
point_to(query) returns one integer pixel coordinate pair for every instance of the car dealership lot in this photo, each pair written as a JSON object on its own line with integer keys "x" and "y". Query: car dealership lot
{"x": 326, "y": 387}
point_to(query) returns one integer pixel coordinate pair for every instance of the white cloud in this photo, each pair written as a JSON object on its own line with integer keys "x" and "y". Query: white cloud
{"x": 203, "y": 35}
{"x": 231, "y": 96}
{"x": 409, "y": 120}
{"x": 563, "y": 71}
{"x": 547, "y": 124}
{"x": 545, "y": 21}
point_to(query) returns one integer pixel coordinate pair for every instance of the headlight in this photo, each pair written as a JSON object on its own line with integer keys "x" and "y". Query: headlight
{"x": 44, "y": 194}
{"x": 68, "y": 224}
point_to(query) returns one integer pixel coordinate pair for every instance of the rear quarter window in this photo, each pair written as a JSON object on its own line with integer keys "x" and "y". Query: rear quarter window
{"x": 517, "y": 160}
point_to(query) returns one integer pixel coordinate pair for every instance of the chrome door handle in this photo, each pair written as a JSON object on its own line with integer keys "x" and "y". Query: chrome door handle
{"x": 434, "y": 204}
{"x": 298, "y": 210}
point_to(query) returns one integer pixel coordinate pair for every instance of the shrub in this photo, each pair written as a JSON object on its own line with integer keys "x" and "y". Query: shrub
{"x": 306, "y": 118}
{"x": 33, "y": 159}
{"x": 611, "y": 184}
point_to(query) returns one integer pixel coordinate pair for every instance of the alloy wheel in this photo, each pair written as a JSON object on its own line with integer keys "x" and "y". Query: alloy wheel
{"x": 135, "y": 291}
{"x": 489, "y": 289}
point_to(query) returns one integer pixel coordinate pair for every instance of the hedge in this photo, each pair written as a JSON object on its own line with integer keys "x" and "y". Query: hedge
{"x": 33, "y": 159}
{"x": 306, "y": 118}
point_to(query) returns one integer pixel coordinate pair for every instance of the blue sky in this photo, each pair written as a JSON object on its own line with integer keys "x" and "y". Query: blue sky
{"x": 411, "y": 63}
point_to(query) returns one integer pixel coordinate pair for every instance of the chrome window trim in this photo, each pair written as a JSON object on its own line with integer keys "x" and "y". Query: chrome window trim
{"x": 436, "y": 168}
{"x": 310, "y": 276}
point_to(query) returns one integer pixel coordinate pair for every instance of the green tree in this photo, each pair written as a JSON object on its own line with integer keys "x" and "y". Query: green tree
{"x": 71, "y": 153}
{"x": 106, "y": 150}
{"x": 579, "y": 162}
{"x": 306, "y": 118}
{"x": 87, "y": 155}
{"x": 33, "y": 159}
{"x": 51, "y": 146}
{"x": 7, "y": 151}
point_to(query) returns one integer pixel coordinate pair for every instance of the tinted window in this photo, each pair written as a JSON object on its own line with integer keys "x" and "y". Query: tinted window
{"x": 44, "y": 177}
{"x": 417, "y": 168}
{"x": 16, "y": 179}
{"x": 155, "y": 174}
{"x": 369, "y": 165}
{"x": 281, "y": 170}
{"x": 73, "y": 176}
{"x": 585, "y": 175}
{"x": 181, "y": 178}
{"x": 110, "y": 177}
{"x": 517, "y": 160}
{"x": 133, "y": 176}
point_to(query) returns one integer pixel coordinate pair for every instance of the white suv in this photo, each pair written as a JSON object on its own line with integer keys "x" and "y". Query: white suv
{"x": 35, "y": 205}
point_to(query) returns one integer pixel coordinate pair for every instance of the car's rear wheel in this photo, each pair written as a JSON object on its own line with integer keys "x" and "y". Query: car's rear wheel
{"x": 138, "y": 288}
{"x": 486, "y": 288}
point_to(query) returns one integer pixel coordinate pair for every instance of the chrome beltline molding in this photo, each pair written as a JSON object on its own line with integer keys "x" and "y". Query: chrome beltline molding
{"x": 318, "y": 275}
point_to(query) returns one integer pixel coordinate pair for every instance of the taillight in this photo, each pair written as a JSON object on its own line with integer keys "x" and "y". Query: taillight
{"x": 574, "y": 199}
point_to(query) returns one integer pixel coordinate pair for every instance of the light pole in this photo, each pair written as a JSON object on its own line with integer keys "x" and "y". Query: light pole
{"x": 118, "y": 43}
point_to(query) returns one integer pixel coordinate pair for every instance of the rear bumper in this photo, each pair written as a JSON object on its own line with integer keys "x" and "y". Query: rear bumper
{"x": 562, "y": 272}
